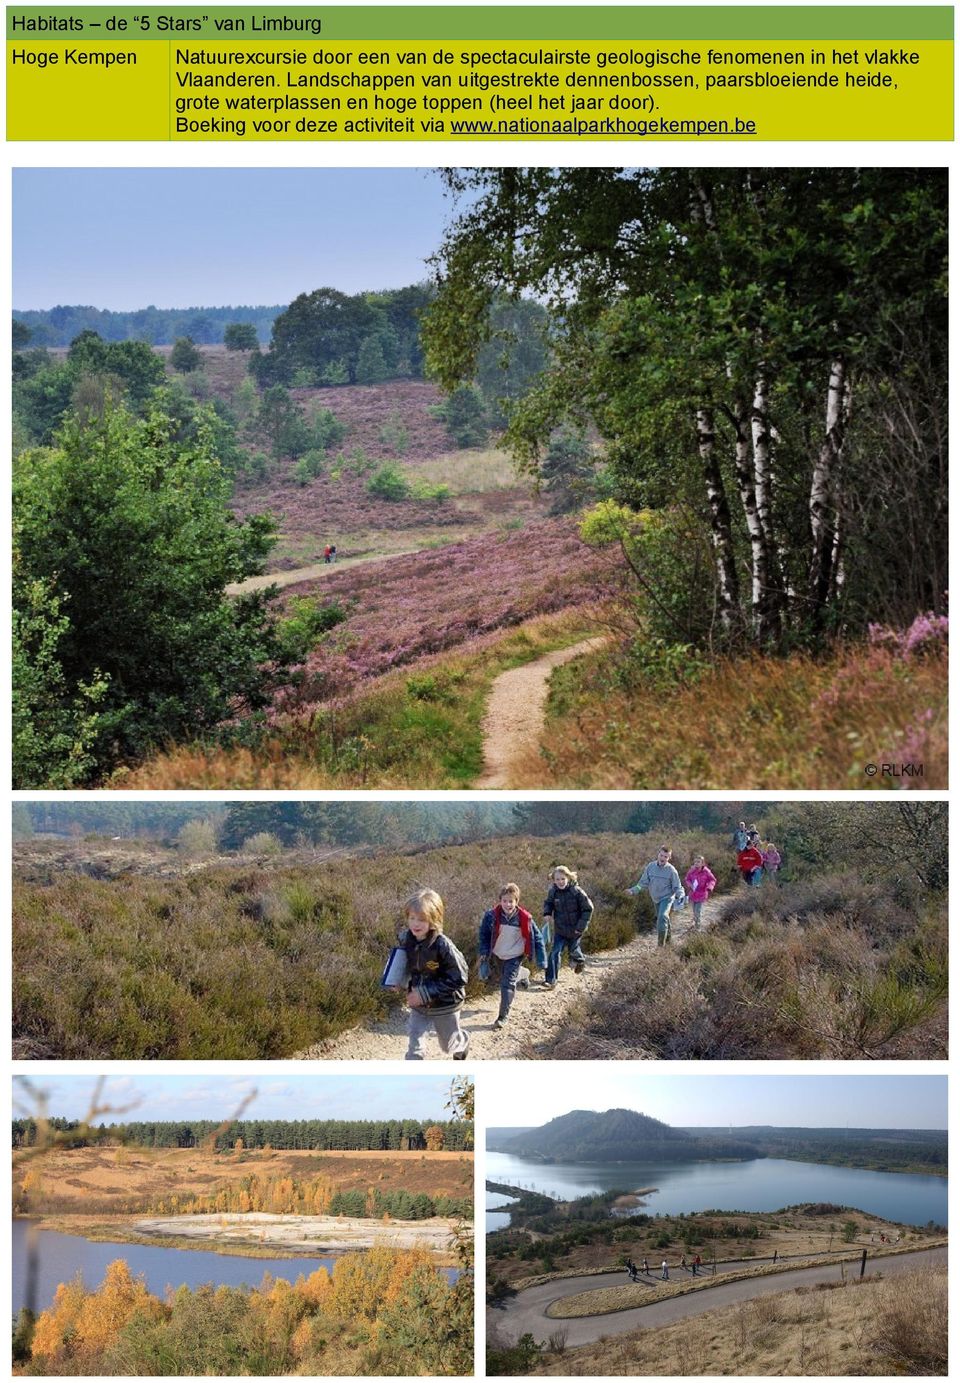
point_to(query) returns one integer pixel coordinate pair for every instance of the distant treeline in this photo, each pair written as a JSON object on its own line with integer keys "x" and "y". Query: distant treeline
{"x": 901, "y": 837}
{"x": 316, "y": 1135}
{"x": 290, "y": 823}
{"x": 880, "y": 1149}
{"x": 158, "y": 326}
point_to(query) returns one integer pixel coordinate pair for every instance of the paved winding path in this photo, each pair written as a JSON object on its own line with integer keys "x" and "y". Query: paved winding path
{"x": 514, "y": 717}
{"x": 526, "y": 1312}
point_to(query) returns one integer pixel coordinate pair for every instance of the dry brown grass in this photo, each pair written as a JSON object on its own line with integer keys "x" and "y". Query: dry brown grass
{"x": 240, "y": 962}
{"x": 85, "y": 1181}
{"x": 874, "y": 1328}
{"x": 751, "y": 722}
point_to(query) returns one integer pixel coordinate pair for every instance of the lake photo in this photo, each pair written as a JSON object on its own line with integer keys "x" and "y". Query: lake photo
{"x": 712, "y": 1225}
{"x": 212, "y": 1235}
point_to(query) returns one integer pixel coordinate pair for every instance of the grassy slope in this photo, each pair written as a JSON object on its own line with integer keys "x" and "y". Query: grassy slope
{"x": 418, "y": 729}
{"x": 600, "y": 1246}
{"x": 777, "y": 723}
{"x": 874, "y": 1328}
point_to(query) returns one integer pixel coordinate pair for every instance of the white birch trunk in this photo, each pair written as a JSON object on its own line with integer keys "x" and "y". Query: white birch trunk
{"x": 824, "y": 485}
{"x": 721, "y": 532}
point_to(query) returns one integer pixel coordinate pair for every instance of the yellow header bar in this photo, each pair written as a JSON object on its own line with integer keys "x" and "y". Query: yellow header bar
{"x": 306, "y": 90}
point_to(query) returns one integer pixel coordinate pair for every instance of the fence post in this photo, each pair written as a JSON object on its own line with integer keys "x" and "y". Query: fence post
{"x": 863, "y": 1264}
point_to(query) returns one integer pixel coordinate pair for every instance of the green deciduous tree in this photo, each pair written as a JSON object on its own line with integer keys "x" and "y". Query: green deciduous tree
{"x": 240, "y": 336}
{"x": 185, "y": 357}
{"x": 124, "y": 538}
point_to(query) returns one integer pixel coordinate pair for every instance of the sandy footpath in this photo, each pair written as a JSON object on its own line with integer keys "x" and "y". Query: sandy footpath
{"x": 538, "y": 1015}
{"x": 514, "y": 717}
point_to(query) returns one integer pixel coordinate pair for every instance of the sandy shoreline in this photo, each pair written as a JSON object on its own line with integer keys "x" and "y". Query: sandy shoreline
{"x": 305, "y": 1233}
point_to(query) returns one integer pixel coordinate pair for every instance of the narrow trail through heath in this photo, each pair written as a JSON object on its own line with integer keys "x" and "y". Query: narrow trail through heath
{"x": 527, "y": 1311}
{"x": 312, "y": 573}
{"x": 538, "y": 1015}
{"x": 514, "y": 717}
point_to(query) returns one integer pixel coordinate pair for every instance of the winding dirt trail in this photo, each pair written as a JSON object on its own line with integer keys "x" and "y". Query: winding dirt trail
{"x": 527, "y": 1311}
{"x": 514, "y": 716}
{"x": 313, "y": 572}
{"x": 538, "y": 1015}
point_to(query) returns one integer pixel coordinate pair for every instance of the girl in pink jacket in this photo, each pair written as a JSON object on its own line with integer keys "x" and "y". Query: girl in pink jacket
{"x": 700, "y": 883}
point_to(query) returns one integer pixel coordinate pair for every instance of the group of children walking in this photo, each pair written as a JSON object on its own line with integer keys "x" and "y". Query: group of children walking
{"x": 755, "y": 860}
{"x": 511, "y": 943}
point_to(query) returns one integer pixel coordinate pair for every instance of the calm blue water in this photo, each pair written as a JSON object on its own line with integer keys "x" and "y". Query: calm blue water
{"x": 497, "y": 1219}
{"x": 764, "y": 1184}
{"x": 62, "y": 1256}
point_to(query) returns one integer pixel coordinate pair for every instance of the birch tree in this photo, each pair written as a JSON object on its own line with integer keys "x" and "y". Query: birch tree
{"x": 714, "y": 326}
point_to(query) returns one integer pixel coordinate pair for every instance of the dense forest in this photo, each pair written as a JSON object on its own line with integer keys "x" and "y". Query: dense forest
{"x": 158, "y": 326}
{"x": 881, "y": 1149}
{"x": 387, "y": 1135}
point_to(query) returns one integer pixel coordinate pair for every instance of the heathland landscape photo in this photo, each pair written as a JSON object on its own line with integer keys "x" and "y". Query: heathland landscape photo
{"x": 303, "y": 1226}
{"x": 608, "y": 931}
{"x": 498, "y": 478}
{"x": 625, "y": 1242}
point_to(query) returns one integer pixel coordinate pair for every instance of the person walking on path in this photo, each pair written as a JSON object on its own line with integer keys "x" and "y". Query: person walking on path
{"x": 772, "y": 860}
{"x": 696, "y": 1264}
{"x": 699, "y": 883}
{"x": 662, "y": 882}
{"x": 664, "y": 1272}
{"x": 750, "y": 864}
{"x": 437, "y": 979}
{"x": 646, "y": 1267}
{"x": 509, "y": 935}
{"x": 740, "y": 837}
{"x": 570, "y": 910}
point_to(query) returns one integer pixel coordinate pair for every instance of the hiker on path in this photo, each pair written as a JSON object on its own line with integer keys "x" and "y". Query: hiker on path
{"x": 326, "y": 554}
{"x": 664, "y": 1272}
{"x": 772, "y": 860}
{"x": 662, "y": 882}
{"x": 646, "y": 1267}
{"x": 571, "y": 911}
{"x": 508, "y": 936}
{"x": 696, "y": 1264}
{"x": 699, "y": 883}
{"x": 740, "y": 837}
{"x": 750, "y": 864}
{"x": 437, "y": 983}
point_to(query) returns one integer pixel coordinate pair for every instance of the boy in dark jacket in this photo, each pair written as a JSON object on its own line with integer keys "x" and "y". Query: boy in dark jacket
{"x": 437, "y": 982}
{"x": 571, "y": 911}
{"x": 509, "y": 934}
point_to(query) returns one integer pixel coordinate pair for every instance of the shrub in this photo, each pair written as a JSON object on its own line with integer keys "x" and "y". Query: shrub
{"x": 197, "y": 838}
{"x": 262, "y": 843}
{"x": 389, "y": 483}
{"x": 306, "y": 622}
{"x": 184, "y": 358}
{"x": 312, "y": 464}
